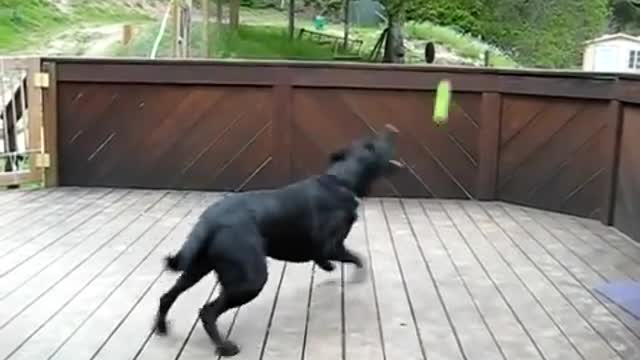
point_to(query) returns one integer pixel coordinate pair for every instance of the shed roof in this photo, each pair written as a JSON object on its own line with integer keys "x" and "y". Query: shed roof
{"x": 615, "y": 36}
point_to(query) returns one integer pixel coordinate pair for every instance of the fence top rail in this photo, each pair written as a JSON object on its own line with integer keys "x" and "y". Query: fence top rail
{"x": 348, "y": 65}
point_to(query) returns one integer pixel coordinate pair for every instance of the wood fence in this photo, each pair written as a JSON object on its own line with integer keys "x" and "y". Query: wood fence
{"x": 560, "y": 141}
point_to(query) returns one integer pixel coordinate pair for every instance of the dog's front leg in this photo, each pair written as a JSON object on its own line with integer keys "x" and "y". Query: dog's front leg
{"x": 345, "y": 255}
{"x": 325, "y": 265}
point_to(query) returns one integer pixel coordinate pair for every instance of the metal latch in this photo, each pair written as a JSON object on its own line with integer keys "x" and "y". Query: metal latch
{"x": 41, "y": 80}
{"x": 42, "y": 160}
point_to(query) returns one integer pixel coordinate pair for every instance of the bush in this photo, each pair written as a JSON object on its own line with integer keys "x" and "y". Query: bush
{"x": 463, "y": 15}
{"x": 538, "y": 32}
{"x": 543, "y": 33}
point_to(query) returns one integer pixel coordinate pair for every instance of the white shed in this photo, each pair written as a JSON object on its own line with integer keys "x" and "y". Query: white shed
{"x": 612, "y": 53}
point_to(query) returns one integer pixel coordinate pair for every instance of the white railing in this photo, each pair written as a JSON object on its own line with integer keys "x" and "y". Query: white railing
{"x": 20, "y": 120}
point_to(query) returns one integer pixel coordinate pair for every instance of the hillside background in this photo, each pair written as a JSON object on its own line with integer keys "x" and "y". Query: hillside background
{"x": 533, "y": 33}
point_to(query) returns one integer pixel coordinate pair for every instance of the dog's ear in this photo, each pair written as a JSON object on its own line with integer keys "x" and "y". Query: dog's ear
{"x": 338, "y": 155}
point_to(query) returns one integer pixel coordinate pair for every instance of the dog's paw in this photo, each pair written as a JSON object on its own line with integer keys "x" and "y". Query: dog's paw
{"x": 326, "y": 266}
{"x": 228, "y": 349}
{"x": 161, "y": 327}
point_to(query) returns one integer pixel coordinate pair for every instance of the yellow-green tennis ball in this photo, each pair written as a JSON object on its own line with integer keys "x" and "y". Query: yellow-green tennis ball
{"x": 442, "y": 101}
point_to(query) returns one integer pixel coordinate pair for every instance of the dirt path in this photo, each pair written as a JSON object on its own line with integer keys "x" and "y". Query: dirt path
{"x": 85, "y": 40}
{"x": 105, "y": 38}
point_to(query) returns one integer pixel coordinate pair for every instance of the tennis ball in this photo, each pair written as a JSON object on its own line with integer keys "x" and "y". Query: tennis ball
{"x": 441, "y": 104}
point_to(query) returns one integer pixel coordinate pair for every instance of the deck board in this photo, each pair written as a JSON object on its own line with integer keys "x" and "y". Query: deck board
{"x": 479, "y": 231}
{"x": 81, "y": 275}
{"x": 20, "y": 219}
{"x": 286, "y": 338}
{"x": 435, "y": 331}
{"x": 399, "y": 329}
{"x": 571, "y": 303}
{"x": 602, "y": 318}
{"x": 15, "y": 200}
{"x": 474, "y": 337}
{"x": 363, "y": 337}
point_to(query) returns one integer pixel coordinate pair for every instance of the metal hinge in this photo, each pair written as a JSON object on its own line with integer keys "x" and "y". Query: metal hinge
{"x": 42, "y": 160}
{"x": 41, "y": 80}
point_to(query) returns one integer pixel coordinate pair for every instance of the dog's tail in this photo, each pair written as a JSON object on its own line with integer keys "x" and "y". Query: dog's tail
{"x": 190, "y": 249}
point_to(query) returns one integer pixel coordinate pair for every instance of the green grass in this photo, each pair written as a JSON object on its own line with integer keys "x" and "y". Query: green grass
{"x": 463, "y": 45}
{"x": 267, "y": 42}
{"x": 247, "y": 42}
{"x": 18, "y": 19}
{"x": 25, "y": 23}
{"x": 263, "y": 36}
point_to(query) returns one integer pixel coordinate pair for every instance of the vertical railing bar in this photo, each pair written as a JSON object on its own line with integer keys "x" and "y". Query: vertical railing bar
{"x": 15, "y": 157}
{"x": 3, "y": 111}
{"x": 25, "y": 112}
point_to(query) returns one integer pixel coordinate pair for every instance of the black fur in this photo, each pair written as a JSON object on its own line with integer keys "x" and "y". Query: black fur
{"x": 171, "y": 263}
{"x": 304, "y": 221}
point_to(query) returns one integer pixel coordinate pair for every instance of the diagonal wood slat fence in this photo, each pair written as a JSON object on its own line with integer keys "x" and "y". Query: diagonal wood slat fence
{"x": 561, "y": 141}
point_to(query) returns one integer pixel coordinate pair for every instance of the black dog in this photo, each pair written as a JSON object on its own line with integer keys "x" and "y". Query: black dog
{"x": 304, "y": 221}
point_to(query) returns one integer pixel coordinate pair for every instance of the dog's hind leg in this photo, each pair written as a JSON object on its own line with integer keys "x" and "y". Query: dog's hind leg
{"x": 242, "y": 274}
{"x": 186, "y": 280}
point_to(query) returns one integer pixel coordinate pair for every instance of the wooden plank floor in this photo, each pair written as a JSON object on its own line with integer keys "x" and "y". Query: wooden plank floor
{"x": 81, "y": 274}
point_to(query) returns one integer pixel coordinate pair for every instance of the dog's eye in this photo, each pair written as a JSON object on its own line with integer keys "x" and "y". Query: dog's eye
{"x": 369, "y": 146}
{"x": 338, "y": 156}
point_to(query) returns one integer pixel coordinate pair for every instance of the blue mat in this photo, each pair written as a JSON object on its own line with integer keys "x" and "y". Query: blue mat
{"x": 625, "y": 294}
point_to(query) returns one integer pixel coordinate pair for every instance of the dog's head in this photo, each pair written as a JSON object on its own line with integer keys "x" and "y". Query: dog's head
{"x": 364, "y": 161}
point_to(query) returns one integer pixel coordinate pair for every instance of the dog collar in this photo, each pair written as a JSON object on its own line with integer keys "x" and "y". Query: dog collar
{"x": 332, "y": 180}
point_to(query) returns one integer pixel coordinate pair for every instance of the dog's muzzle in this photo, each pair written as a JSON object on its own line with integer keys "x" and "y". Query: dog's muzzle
{"x": 390, "y": 135}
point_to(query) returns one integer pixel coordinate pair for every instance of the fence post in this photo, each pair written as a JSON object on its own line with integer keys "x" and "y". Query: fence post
{"x": 175, "y": 24}
{"x": 50, "y": 124}
{"x": 612, "y": 158}
{"x": 489, "y": 146}
{"x": 205, "y": 27}
{"x": 282, "y": 127}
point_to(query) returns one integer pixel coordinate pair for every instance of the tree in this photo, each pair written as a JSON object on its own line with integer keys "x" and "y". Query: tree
{"x": 544, "y": 33}
{"x": 234, "y": 13}
{"x": 625, "y": 16}
{"x": 394, "y": 46}
{"x": 219, "y": 10}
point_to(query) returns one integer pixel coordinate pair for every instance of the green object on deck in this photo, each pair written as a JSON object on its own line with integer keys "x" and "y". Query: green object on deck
{"x": 441, "y": 105}
{"x": 319, "y": 22}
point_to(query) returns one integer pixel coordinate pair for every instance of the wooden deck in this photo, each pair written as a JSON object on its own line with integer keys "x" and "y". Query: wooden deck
{"x": 81, "y": 274}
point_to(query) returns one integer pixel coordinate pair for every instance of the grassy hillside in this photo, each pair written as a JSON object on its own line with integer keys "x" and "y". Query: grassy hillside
{"x": 26, "y": 23}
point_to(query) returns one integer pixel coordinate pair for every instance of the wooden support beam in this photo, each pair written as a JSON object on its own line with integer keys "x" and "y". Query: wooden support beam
{"x": 50, "y": 125}
{"x": 187, "y": 28}
{"x": 292, "y": 18}
{"x": 205, "y": 27}
{"x": 234, "y": 14}
{"x": 219, "y": 10}
{"x": 345, "y": 44}
{"x": 174, "y": 28}
{"x": 615, "y": 114}
{"x": 489, "y": 146}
